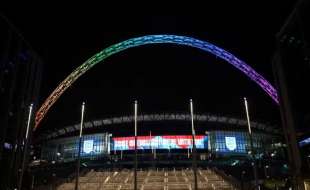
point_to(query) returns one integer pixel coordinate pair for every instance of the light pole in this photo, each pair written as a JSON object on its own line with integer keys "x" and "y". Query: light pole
{"x": 79, "y": 151}
{"x": 251, "y": 143}
{"x": 194, "y": 145}
{"x": 136, "y": 156}
{"x": 26, "y": 143}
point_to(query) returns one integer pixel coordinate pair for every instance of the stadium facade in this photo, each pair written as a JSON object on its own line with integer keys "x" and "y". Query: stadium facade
{"x": 216, "y": 135}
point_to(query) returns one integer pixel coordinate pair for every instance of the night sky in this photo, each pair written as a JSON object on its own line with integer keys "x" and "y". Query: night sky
{"x": 161, "y": 77}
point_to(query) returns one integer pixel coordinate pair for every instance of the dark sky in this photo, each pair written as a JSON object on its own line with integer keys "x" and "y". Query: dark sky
{"x": 161, "y": 77}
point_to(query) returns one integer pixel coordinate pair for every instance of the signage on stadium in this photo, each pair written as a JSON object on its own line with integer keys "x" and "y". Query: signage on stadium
{"x": 160, "y": 142}
{"x": 88, "y": 146}
{"x": 231, "y": 143}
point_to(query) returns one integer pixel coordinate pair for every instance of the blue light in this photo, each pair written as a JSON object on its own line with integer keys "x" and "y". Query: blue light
{"x": 304, "y": 142}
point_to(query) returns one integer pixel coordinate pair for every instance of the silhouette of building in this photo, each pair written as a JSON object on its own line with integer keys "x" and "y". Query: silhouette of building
{"x": 20, "y": 77}
{"x": 291, "y": 65}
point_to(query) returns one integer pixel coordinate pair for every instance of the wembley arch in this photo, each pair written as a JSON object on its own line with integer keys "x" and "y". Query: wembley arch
{"x": 154, "y": 39}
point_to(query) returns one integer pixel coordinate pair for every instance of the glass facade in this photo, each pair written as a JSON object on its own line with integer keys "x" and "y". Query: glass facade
{"x": 66, "y": 149}
{"x": 236, "y": 142}
{"x": 99, "y": 145}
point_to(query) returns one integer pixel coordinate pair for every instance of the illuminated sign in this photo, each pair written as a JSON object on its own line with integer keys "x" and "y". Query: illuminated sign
{"x": 159, "y": 142}
{"x": 88, "y": 146}
{"x": 230, "y": 143}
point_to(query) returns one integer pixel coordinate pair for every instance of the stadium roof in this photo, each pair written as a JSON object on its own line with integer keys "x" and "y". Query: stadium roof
{"x": 106, "y": 122}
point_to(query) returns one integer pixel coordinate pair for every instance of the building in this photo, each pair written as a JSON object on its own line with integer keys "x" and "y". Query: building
{"x": 219, "y": 136}
{"x": 220, "y": 141}
{"x": 291, "y": 65}
{"x": 20, "y": 77}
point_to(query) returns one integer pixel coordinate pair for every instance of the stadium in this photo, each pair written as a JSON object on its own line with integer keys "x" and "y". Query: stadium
{"x": 164, "y": 153}
{"x": 161, "y": 61}
{"x": 171, "y": 150}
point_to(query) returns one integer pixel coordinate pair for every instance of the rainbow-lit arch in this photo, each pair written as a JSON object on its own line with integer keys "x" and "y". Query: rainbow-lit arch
{"x": 154, "y": 39}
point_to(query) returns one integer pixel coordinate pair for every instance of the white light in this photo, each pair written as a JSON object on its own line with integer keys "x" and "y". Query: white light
{"x": 247, "y": 114}
{"x": 88, "y": 146}
{"x": 231, "y": 143}
{"x": 29, "y": 119}
{"x": 192, "y": 117}
{"x": 136, "y": 116}
{"x": 82, "y": 119}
